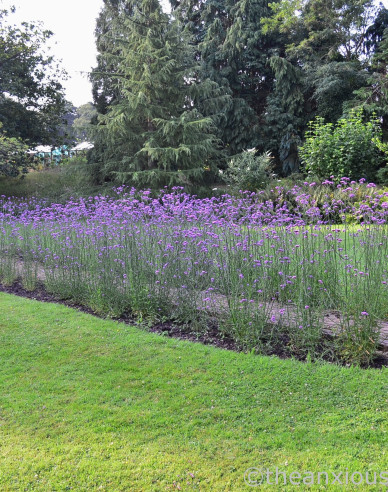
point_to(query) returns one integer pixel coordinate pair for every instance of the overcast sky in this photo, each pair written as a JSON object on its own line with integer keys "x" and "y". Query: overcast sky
{"x": 73, "y": 23}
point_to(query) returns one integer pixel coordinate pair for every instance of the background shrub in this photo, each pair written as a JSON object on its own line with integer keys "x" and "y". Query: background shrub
{"x": 348, "y": 148}
{"x": 248, "y": 171}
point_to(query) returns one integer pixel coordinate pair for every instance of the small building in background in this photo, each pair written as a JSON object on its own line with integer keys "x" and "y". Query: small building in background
{"x": 50, "y": 156}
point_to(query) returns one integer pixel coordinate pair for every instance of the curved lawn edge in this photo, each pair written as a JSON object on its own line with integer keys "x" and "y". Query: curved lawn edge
{"x": 91, "y": 403}
{"x": 212, "y": 336}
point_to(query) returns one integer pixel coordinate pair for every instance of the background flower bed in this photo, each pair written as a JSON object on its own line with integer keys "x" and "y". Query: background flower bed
{"x": 267, "y": 267}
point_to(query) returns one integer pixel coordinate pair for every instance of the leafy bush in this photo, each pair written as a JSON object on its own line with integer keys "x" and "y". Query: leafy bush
{"x": 348, "y": 148}
{"x": 13, "y": 155}
{"x": 247, "y": 171}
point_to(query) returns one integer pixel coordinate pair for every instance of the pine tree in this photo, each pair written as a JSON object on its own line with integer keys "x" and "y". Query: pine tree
{"x": 234, "y": 53}
{"x": 153, "y": 133}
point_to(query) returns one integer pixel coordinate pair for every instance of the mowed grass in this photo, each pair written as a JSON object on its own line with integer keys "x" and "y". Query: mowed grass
{"x": 92, "y": 404}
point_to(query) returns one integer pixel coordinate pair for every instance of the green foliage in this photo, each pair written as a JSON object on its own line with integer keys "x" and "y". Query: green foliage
{"x": 234, "y": 53}
{"x": 347, "y": 148}
{"x": 248, "y": 171}
{"x": 321, "y": 65}
{"x": 336, "y": 82}
{"x": 256, "y": 72}
{"x": 31, "y": 97}
{"x": 154, "y": 134}
{"x": 382, "y": 175}
{"x": 59, "y": 184}
{"x": 285, "y": 113}
{"x": 82, "y": 124}
{"x": 13, "y": 155}
{"x": 325, "y": 30}
{"x": 373, "y": 96}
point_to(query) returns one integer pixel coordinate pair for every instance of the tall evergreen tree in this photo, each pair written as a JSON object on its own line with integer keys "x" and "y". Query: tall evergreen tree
{"x": 234, "y": 53}
{"x": 81, "y": 124}
{"x": 104, "y": 89}
{"x": 152, "y": 132}
{"x": 321, "y": 67}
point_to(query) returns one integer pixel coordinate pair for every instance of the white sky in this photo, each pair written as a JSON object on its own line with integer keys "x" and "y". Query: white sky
{"x": 73, "y": 23}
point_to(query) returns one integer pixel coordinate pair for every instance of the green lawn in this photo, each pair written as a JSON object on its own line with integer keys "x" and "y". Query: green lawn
{"x": 91, "y": 404}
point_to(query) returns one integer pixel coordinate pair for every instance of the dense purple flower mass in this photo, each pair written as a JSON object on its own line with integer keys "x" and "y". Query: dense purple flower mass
{"x": 296, "y": 206}
{"x": 254, "y": 260}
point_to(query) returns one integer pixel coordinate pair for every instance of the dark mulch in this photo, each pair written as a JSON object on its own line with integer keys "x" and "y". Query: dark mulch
{"x": 213, "y": 336}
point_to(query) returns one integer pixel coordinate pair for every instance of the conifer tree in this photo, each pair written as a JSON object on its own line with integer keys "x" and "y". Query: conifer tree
{"x": 234, "y": 53}
{"x": 153, "y": 133}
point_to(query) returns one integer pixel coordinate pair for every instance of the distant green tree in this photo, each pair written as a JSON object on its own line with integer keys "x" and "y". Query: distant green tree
{"x": 32, "y": 99}
{"x": 82, "y": 124}
{"x": 153, "y": 133}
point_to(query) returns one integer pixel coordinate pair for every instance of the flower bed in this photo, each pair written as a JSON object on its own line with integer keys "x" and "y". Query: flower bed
{"x": 246, "y": 262}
